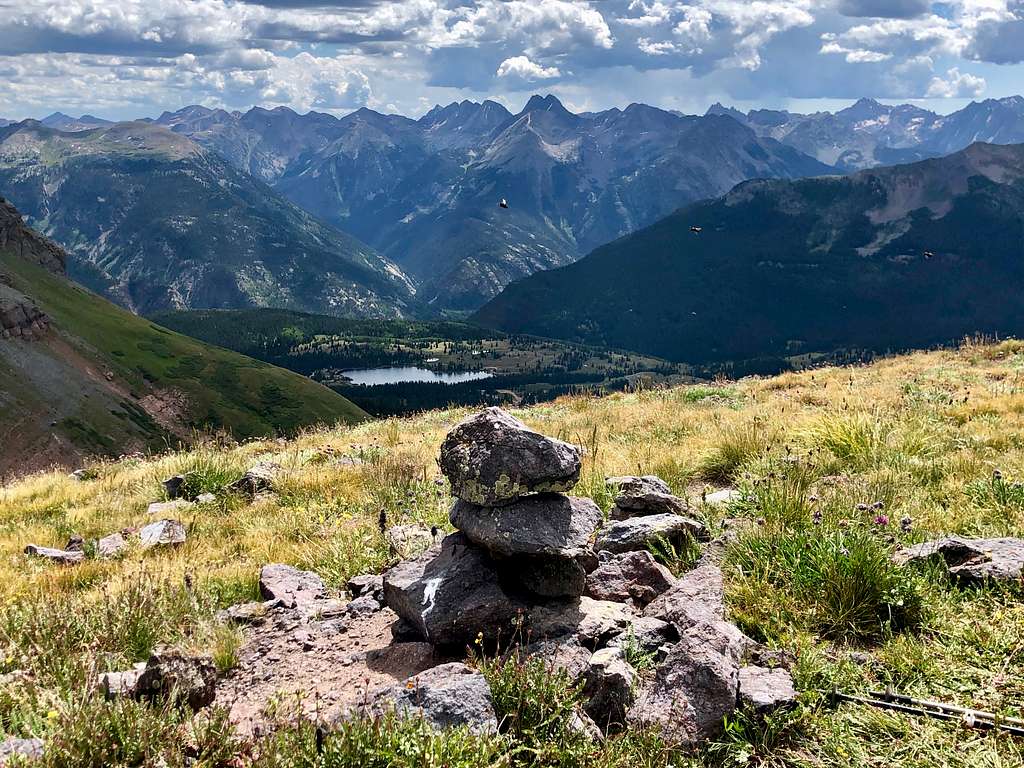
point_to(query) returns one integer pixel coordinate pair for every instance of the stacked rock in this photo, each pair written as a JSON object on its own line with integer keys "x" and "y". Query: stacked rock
{"x": 520, "y": 540}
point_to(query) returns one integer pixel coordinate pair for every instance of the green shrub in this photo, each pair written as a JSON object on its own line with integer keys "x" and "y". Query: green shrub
{"x": 837, "y": 583}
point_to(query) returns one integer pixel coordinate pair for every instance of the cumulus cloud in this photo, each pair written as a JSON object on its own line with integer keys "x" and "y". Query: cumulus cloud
{"x": 956, "y": 84}
{"x": 889, "y": 9}
{"x": 139, "y": 56}
{"x": 521, "y": 67}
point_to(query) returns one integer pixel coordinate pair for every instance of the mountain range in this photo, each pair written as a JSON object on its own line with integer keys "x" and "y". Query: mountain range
{"x": 425, "y": 192}
{"x": 384, "y": 216}
{"x": 81, "y": 377}
{"x": 155, "y": 221}
{"x": 869, "y": 134}
{"x": 896, "y": 257}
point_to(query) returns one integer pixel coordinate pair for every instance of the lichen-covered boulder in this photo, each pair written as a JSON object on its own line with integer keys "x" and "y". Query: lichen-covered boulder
{"x": 185, "y": 680}
{"x": 492, "y": 458}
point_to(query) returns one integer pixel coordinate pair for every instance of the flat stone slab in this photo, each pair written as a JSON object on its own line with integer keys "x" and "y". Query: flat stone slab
{"x": 589, "y": 621}
{"x": 492, "y": 458}
{"x": 972, "y": 560}
{"x": 765, "y": 690}
{"x": 165, "y": 509}
{"x": 163, "y": 533}
{"x": 62, "y": 556}
{"x": 644, "y": 532}
{"x": 545, "y": 524}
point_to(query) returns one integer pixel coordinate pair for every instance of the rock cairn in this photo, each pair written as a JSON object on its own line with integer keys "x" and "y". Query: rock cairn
{"x": 529, "y": 564}
{"x": 520, "y": 541}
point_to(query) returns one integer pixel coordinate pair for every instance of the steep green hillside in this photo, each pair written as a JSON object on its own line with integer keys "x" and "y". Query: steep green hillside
{"x": 896, "y": 257}
{"x": 100, "y": 380}
{"x": 155, "y": 221}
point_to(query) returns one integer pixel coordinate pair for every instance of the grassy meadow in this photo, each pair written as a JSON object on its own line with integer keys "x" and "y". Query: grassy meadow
{"x": 839, "y": 467}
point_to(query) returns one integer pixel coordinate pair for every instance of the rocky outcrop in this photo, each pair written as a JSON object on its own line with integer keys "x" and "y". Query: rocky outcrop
{"x": 27, "y": 243}
{"x": 20, "y": 318}
{"x": 492, "y": 458}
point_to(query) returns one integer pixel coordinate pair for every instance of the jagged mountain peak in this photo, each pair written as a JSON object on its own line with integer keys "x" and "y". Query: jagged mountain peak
{"x": 549, "y": 103}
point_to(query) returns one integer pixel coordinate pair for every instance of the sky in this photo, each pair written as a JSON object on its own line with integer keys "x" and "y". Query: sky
{"x": 123, "y": 59}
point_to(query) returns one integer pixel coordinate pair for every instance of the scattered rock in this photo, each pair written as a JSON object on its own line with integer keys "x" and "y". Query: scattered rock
{"x": 62, "y": 556}
{"x": 366, "y": 584}
{"x": 163, "y": 509}
{"x": 173, "y": 486}
{"x": 76, "y": 543}
{"x": 545, "y": 524}
{"x": 765, "y": 690}
{"x": 121, "y": 684}
{"x": 162, "y": 533}
{"x": 410, "y": 540}
{"x": 446, "y": 696}
{"x": 31, "y": 749}
{"x": 723, "y": 497}
{"x": 111, "y": 546}
{"x": 246, "y": 613}
{"x": 206, "y": 498}
{"x": 609, "y": 685}
{"x": 259, "y": 478}
{"x": 363, "y": 606}
{"x": 581, "y": 723}
{"x": 492, "y": 458}
{"x": 173, "y": 676}
{"x": 698, "y": 596}
{"x": 972, "y": 560}
{"x": 450, "y": 593}
{"x": 692, "y": 691}
{"x": 638, "y": 533}
{"x": 292, "y": 587}
{"x": 562, "y": 653}
{"x": 646, "y": 495}
{"x": 627, "y": 576}
{"x": 590, "y": 621}
{"x": 81, "y": 475}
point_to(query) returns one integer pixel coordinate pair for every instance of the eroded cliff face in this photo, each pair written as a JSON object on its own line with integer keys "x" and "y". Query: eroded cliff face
{"x": 27, "y": 243}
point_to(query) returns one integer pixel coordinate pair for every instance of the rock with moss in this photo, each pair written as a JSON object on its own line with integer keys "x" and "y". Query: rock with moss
{"x": 492, "y": 458}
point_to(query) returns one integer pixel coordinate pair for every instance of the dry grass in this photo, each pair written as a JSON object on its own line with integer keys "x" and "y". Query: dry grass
{"x": 922, "y": 434}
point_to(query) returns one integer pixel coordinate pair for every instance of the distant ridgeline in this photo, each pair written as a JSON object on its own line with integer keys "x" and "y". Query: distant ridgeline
{"x": 891, "y": 258}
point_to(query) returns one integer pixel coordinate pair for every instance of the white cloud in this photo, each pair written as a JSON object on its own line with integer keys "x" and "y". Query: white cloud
{"x": 956, "y": 84}
{"x": 524, "y": 69}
